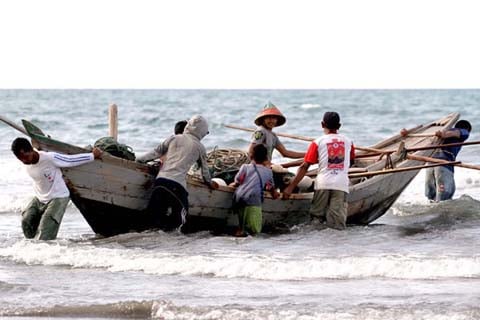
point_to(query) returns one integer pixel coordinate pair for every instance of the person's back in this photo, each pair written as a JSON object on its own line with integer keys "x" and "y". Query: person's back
{"x": 185, "y": 150}
{"x": 334, "y": 154}
{"x": 252, "y": 184}
{"x": 161, "y": 149}
{"x": 250, "y": 181}
{"x": 168, "y": 203}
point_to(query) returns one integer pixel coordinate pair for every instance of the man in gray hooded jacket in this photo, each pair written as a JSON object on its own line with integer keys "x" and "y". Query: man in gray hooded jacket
{"x": 170, "y": 196}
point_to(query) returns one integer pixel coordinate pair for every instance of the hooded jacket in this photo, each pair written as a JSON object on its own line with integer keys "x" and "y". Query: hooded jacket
{"x": 183, "y": 150}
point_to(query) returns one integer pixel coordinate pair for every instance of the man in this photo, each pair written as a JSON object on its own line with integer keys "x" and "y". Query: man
{"x": 42, "y": 217}
{"x": 161, "y": 149}
{"x": 334, "y": 154}
{"x": 440, "y": 181}
{"x": 267, "y": 119}
{"x": 170, "y": 196}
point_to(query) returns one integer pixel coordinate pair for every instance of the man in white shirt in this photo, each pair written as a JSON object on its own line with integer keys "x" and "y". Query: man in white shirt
{"x": 334, "y": 154}
{"x": 42, "y": 217}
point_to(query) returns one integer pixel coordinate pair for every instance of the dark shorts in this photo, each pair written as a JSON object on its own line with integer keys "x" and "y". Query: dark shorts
{"x": 168, "y": 204}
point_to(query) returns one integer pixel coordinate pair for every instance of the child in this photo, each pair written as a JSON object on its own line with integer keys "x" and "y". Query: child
{"x": 251, "y": 180}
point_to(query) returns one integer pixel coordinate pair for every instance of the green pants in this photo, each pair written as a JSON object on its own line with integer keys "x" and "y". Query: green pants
{"x": 330, "y": 205}
{"x": 250, "y": 219}
{"x": 42, "y": 220}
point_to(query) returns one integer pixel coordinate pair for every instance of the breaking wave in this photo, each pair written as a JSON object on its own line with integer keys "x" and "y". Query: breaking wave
{"x": 225, "y": 264}
{"x": 167, "y": 310}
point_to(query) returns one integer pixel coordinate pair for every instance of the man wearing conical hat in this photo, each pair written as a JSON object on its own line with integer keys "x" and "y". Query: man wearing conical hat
{"x": 267, "y": 119}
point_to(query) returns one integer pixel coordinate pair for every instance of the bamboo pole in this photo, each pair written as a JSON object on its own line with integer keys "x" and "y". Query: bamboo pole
{"x": 375, "y": 173}
{"x": 294, "y": 163}
{"x": 286, "y": 135}
{"x": 379, "y": 152}
{"x": 456, "y": 144}
{"x": 421, "y": 135}
{"x": 113, "y": 121}
{"x": 434, "y": 160}
{"x": 13, "y": 125}
{"x": 303, "y": 138}
{"x": 374, "y": 151}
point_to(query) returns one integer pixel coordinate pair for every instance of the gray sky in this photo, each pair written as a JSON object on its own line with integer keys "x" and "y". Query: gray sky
{"x": 239, "y": 44}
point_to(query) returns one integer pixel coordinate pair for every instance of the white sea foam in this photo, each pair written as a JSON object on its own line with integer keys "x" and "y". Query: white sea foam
{"x": 310, "y": 106}
{"x": 467, "y": 182}
{"x": 241, "y": 265}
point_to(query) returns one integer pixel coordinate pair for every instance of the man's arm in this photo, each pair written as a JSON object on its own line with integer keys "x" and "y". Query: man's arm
{"x": 73, "y": 160}
{"x": 207, "y": 178}
{"x": 302, "y": 170}
{"x": 289, "y": 153}
{"x": 156, "y": 153}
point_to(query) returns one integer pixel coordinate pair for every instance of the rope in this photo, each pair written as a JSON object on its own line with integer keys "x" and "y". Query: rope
{"x": 226, "y": 160}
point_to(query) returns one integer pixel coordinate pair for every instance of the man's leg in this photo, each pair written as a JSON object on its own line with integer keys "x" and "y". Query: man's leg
{"x": 445, "y": 183}
{"x": 318, "y": 208}
{"x": 31, "y": 218}
{"x": 337, "y": 210}
{"x": 430, "y": 184}
{"x": 51, "y": 218}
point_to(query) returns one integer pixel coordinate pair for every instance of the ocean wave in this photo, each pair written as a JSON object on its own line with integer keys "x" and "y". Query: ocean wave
{"x": 451, "y": 212}
{"x": 244, "y": 265}
{"x": 167, "y": 310}
{"x": 120, "y": 310}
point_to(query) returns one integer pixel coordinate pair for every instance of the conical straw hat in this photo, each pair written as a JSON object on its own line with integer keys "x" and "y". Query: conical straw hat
{"x": 270, "y": 110}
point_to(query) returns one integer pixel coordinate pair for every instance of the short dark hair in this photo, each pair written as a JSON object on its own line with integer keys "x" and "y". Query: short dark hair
{"x": 21, "y": 144}
{"x": 463, "y": 124}
{"x": 259, "y": 153}
{"x": 180, "y": 126}
{"x": 331, "y": 120}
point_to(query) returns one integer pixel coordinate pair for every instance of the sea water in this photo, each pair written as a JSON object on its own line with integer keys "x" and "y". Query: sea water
{"x": 419, "y": 261}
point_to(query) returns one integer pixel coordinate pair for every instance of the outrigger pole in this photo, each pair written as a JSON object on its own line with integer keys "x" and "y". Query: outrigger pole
{"x": 13, "y": 125}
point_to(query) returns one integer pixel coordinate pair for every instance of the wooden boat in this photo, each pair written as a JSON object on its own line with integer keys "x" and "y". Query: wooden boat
{"x": 112, "y": 193}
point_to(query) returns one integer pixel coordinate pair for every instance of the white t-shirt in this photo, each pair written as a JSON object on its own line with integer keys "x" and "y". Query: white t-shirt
{"x": 332, "y": 152}
{"x": 47, "y": 175}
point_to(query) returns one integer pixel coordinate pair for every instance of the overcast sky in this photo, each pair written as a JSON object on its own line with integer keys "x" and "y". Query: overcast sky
{"x": 239, "y": 44}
